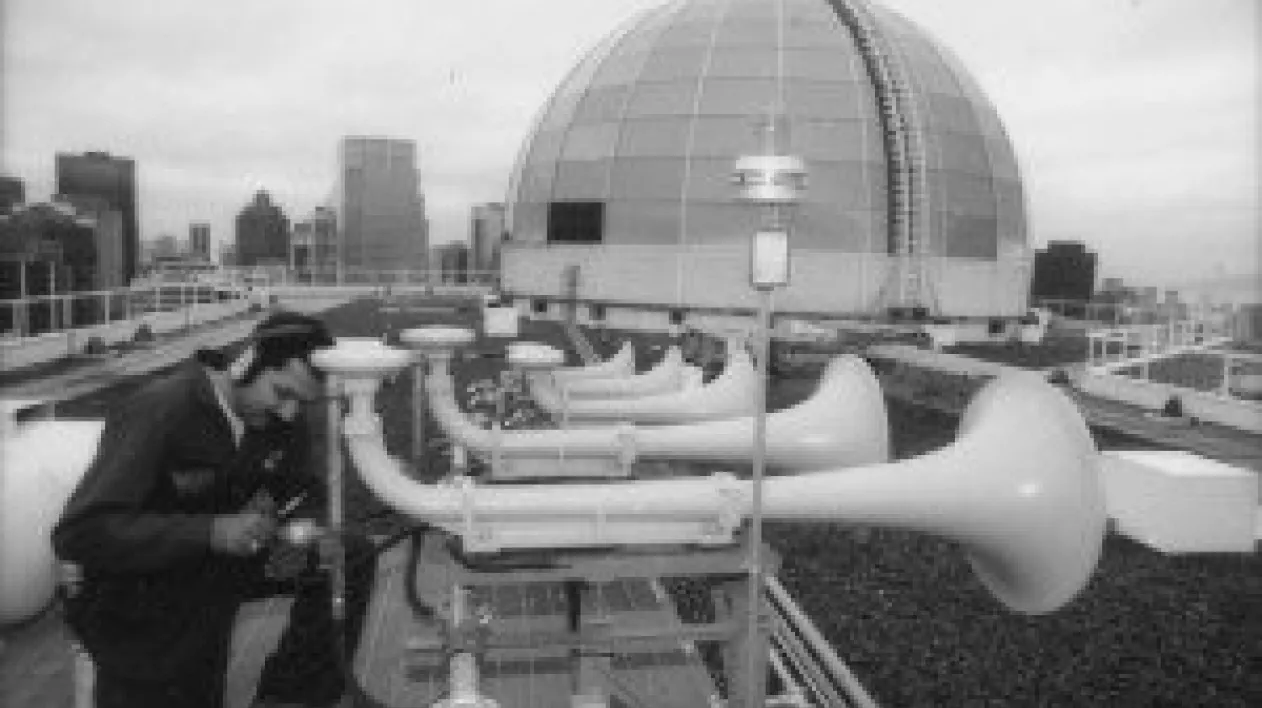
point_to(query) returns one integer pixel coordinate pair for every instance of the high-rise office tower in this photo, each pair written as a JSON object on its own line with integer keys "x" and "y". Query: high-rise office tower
{"x": 56, "y": 253}
{"x": 99, "y": 174}
{"x": 1065, "y": 270}
{"x": 108, "y": 238}
{"x": 324, "y": 232}
{"x": 262, "y": 233}
{"x": 453, "y": 261}
{"x": 199, "y": 240}
{"x": 314, "y": 243}
{"x": 12, "y": 192}
{"x": 486, "y": 232}
{"x": 380, "y": 210}
{"x": 302, "y": 246}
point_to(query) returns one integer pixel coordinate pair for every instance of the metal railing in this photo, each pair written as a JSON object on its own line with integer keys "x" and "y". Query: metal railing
{"x": 43, "y": 328}
{"x": 1117, "y": 348}
{"x": 266, "y": 276}
{"x": 40, "y": 313}
{"x": 808, "y": 667}
{"x": 38, "y": 329}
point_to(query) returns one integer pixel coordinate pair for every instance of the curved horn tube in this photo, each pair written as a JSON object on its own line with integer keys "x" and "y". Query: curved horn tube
{"x": 620, "y": 364}
{"x": 667, "y": 375}
{"x": 732, "y": 394}
{"x": 843, "y": 423}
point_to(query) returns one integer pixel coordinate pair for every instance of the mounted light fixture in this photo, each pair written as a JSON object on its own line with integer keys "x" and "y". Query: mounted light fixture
{"x": 769, "y": 259}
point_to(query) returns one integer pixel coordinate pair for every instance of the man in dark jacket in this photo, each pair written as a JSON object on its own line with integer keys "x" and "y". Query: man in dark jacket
{"x": 173, "y": 525}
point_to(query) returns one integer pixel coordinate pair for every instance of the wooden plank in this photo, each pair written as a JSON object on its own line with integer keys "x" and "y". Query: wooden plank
{"x": 540, "y": 676}
{"x": 686, "y": 684}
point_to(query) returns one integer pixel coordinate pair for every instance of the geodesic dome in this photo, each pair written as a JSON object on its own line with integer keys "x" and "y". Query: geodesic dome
{"x": 910, "y": 169}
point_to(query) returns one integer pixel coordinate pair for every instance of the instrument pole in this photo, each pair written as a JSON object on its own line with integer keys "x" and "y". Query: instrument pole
{"x": 334, "y": 561}
{"x": 755, "y": 653}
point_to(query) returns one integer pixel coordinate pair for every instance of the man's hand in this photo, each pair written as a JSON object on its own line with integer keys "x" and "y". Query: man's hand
{"x": 242, "y": 534}
{"x": 261, "y": 503}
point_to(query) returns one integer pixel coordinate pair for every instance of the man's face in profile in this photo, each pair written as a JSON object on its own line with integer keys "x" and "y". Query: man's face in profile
{"x": 277, "y": 394}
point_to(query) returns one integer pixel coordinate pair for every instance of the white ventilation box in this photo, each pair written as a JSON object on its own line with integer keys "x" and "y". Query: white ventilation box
{"x": 1180, "y": 502}
{"x": 500, "y": 321}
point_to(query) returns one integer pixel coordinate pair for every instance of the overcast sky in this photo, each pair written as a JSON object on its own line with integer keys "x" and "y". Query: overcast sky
{"x": 1136, "y": 121}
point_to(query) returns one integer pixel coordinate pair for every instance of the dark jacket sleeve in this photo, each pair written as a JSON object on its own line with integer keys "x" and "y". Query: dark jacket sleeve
{"x": 107, "y": 524}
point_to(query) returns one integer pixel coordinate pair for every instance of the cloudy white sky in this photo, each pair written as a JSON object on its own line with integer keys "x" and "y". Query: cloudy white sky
{"x": 1136, "y": 121}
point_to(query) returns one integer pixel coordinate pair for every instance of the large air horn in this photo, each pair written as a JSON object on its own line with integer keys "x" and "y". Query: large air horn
{"x": 732, "y": 394}
{"x": 843, "y": 423}
{"x": 1019, "y": 490}
{"x": 620, "y": 364}
{"x": 666, "y": 376}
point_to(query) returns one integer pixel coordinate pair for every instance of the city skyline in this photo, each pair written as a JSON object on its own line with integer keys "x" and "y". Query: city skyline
{"x": 1137, "y": 135}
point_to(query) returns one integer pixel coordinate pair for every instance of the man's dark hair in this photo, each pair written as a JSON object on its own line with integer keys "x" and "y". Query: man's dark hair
{"x": 275, "y": 340}
{"x": 284, "y": 336}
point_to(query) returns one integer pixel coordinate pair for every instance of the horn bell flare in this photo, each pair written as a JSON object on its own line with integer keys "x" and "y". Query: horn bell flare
{"x": 1057, "y": 516}
{"x": 1019, "y": 490}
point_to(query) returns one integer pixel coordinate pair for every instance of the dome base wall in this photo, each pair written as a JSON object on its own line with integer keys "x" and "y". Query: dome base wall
{"x": 716, "y": 278}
